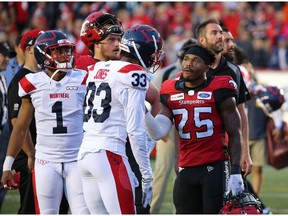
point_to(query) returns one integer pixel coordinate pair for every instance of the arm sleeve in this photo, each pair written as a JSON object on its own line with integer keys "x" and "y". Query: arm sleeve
{"x": 14, "y": 101}
{"x": 157, "y": 127}
{"x": 133, "y": 101}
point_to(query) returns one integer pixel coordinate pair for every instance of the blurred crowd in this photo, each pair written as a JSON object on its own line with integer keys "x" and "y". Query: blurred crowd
{"x": 260, "y": 28}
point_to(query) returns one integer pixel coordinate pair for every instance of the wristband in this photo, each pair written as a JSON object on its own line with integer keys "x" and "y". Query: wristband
{"x": 235, "y": 169}
{"x": 9, "y": 160}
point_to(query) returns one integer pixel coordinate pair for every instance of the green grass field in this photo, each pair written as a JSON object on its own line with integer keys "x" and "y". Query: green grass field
{"x": 274, "y": 193}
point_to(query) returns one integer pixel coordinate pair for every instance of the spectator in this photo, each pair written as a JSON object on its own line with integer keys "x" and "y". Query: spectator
{"x": 18, "y": 12}
{"x": 231, "y": 17}
{"x": 279, "y": 55}
{"x": 139, "y": 17}
{"x": 260, "y": 55}
{"x": 245, "y": 41}
{"x": 15, "y": 63}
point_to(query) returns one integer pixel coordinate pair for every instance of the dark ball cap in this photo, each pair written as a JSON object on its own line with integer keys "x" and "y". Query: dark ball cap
{"x": 206, "y": 55}
{"x": 5, "y": 49}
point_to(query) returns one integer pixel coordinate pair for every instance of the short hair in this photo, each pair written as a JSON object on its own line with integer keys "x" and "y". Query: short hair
{"x": 240, "y": 56}
{"x": 225, "y": 29}
{"x": 18, "y": 40}
{"x": 200, "y": 29}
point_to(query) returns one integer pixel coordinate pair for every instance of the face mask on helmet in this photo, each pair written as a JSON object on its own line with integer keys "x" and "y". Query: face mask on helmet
{"x": 93, "y": 28}
{"x": 145, "y": 44}
{"x": 54, "y": 41}
{"x": 244, "y": 203}
{"x": 62, "y": 57}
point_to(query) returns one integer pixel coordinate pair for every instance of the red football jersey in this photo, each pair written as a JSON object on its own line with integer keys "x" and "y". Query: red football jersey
{"x": 197, "y": 118}
{"x": 82, "y": 62}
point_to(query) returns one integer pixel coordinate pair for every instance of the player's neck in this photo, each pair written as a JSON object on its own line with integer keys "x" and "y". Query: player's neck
{"x": 217, "y": 61}
{"x": 57, "y": 76}
{"x": 31, "y": 67}
{"x": 195, "y": 83}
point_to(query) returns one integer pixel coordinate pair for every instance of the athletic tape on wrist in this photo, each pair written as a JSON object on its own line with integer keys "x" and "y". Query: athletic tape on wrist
{"x": 9, "y": 160}
{"x": 235, "y": 169}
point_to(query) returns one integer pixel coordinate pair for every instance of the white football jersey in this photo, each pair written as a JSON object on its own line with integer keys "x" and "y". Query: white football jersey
{"x": 58, "y": 112}
{"x": 115, "y": 106}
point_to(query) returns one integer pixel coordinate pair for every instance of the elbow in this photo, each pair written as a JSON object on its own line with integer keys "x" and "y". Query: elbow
{"x": 157, "y": 136}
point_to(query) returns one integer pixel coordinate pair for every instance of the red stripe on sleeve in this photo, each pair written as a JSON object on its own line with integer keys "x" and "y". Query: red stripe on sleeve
{"x": 27, "y": 85}
{"x": 84, "y": 80}
{"x": 131, "y": 67}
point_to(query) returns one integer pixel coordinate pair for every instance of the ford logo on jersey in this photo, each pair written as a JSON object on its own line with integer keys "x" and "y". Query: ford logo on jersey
{"x": 204, "y": 95}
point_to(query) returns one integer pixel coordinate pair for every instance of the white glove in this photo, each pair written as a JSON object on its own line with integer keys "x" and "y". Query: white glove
{"x": 146, "y": 192}
{"x": 235, "y": 184}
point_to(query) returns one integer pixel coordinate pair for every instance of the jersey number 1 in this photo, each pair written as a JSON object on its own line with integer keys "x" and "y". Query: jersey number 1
{"x": 57, "y": 108}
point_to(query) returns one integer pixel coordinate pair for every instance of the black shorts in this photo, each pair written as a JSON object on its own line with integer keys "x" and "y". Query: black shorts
{"x": 200, "y": 190}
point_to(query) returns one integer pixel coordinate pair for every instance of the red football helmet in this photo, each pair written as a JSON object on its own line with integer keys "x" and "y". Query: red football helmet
{"x": 244, "y": 203}
{"x": 92, "y": 28}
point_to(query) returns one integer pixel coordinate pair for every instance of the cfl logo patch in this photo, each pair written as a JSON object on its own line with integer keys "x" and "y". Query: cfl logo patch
{"x": 72, "y": 88}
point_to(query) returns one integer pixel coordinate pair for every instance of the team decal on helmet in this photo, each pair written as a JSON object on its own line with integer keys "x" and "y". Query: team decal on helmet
{"x": 145, "y": 44}
{"x": 94, "y": 28}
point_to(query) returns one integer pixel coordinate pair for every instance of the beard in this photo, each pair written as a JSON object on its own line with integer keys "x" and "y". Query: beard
{"x": 216, "y": 48}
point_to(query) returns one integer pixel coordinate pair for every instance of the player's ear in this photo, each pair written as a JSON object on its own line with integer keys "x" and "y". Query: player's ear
{"x": 201, "y": 40}
{"x": 207, "y": 67}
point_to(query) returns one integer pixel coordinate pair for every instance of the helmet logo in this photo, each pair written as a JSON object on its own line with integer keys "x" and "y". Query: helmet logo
{"x": 63, "y": 41}
{"x": 129, "y": 43}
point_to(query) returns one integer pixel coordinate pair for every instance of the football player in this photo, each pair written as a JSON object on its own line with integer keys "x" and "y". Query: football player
{"x": 202, "y": 109}
{"x": 114, "y": 107}
{"x": 56, "y": 94}
{"x": 101, "y": 32}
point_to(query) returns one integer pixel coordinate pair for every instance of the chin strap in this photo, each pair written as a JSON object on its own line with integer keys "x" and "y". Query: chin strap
{"x": 54, "y": 73}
